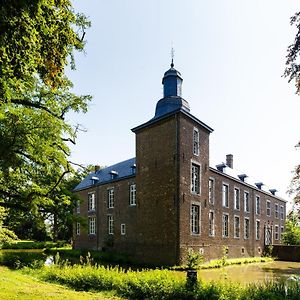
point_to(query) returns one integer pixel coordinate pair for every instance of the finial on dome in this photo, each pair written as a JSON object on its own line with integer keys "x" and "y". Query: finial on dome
{"x": 172, "y": 57}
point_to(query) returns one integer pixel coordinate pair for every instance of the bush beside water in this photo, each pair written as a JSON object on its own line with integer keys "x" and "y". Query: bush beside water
{"x": 158, "y": 284}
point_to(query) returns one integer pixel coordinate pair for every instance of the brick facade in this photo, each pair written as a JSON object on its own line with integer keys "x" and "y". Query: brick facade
{"x": 176, "y": 208}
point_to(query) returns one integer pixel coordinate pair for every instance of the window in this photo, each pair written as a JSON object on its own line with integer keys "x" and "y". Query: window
{"x": 123, "y": 229}
{"x": 257, "y": 205}
{"x": 132, "y": 194}
{"x": 276, "y": 232}
{"x": 225, "y": 195}
{"x": 276, "y": 211}
{"x": 211, "y": 219}
{"x": 236, "y": 226}
{"x": 246, "y": 228}
{"x": 211, "y": 191}
{"x": 281, "y": 231}
{"x": 268, "y": 206}
{"x": 196, "y": 141}
{"x": 195, "y": 187}
{"x": 92, "y": 225}
{"x": 257, "y": 230}
{"x": 110, "y": 198}
{"x": 236, "y": 199}
{"x": 195, "y": 219}
{"x": 281, "y": 212}
{"x": 110, "y": 223}
{"x": 78, "y": 207}
{"x": 246, "y": 202}
{"x": 91, "y": 202}
{"x": 225, "y": 225}
{"x": 78, "y": 228}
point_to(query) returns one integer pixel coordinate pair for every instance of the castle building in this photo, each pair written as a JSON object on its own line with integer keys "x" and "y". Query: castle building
{"x": 169, "y": 198}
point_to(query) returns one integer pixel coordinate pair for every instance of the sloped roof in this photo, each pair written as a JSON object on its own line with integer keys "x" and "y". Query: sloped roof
{"x": 248, "y": 180}
{"x": 121, "y": 169}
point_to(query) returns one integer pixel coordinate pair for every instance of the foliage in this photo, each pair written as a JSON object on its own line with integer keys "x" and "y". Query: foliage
{"x": 37, "y": 39}
{"x": 14, "y": 285}
{"x": 6, "y": 235}
{"x": 291, "y": 235}
{"x": 194, "y": 259}
{"x": 158, "y": 284}
{"x": 292, "y": 70}
{"x": 34, "y": 245}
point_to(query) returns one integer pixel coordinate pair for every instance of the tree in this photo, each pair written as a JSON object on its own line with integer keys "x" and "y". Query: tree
{"x": 37, "y": 39}
{"x": 291, "y": 235}
{"x": 292, "y": 70}
{"x": 6, "y": 235}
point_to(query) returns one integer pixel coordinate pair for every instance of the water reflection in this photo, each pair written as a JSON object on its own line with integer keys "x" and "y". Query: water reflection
{"x": 253, "y": 273}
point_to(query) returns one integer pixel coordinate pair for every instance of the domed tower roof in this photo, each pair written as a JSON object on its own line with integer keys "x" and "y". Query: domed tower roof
{"x": 172, "y": 100}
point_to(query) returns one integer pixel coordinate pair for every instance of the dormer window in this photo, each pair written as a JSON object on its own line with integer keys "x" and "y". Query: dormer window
{"x": 114, "y": 174}
{"x": 95, "y": 179}
{"x": 133, "y": 169}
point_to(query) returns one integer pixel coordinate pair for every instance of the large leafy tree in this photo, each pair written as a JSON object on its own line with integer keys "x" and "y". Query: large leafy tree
{"x": 37, "y": 41}
{"x": 291, "y": 235}
{"x": 292, "y": 70}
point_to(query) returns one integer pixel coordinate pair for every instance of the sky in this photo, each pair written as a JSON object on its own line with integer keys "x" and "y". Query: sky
{"x": 231, "y": 55}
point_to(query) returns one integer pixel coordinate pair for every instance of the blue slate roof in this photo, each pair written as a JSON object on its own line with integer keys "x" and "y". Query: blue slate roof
{"x": 121, "y": 170}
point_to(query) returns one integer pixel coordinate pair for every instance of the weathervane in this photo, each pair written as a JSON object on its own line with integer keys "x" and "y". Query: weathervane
{"x": 172, "y": 56}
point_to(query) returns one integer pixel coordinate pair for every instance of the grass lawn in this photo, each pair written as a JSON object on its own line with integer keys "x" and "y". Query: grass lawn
{"x": 14, "y": 285}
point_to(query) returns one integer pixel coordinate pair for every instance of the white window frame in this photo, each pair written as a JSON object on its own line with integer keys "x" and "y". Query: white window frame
{"x": 237, "y": 236}
{"x": 132, "y": 194}
{"x": 195, "y": 219}
{"x": 281, "y": 212}
{"x": 211, "y": 190}
{"x": 123, "y": 229}
{"x": 110, "y": 224}
{"x": 111, "y": 197}
{"x": 91, "y": 201}
{"x": 194, "y": 179}
{"x": 211, "y": 223}
{"x": 236, "y": 197}
{"x": 268, "y": 209}
{"x": 225, "y": 195}
{"x": 246, "y": 228}
{"x": 225, "y": 226}
{"x": 281, "y": 230}
{"x": 276, "y": 211}
{"x": 246, "y": 203}
{"x": 257, "y": 204}
{"x": 92, "y": 225}
{"x": 276, "y": 233}
{"x": 257, "y": 230}
{"x": 77, "y": 228}
{"x": 196, "y": 141}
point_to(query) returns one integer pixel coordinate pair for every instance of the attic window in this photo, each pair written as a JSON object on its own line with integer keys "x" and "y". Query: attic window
{"x": 114, "y": 174}
{"x": 242, "y": 177}
{"x": 221, "y": 167}
{"x": 95, "y": 179}
{"x": 133, "y": 169}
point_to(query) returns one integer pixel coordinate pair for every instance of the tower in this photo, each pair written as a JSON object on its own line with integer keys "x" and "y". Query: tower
{"x": 172, "y": 155}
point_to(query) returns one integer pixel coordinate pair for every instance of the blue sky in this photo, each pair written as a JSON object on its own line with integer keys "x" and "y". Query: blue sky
{"x": 231, "y": 55}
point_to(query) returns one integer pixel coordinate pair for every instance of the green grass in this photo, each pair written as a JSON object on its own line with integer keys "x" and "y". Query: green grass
{"x": 14, "y": 285}
{"x": 26, "y": 244}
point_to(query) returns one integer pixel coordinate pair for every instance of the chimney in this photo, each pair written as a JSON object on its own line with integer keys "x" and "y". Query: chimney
{"x": 229, "y": 160}
{"x": 273, "y": 191}
{"x": 97, "y": 168}
{"x": 259, "y": 184}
